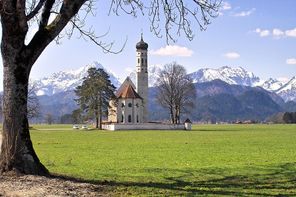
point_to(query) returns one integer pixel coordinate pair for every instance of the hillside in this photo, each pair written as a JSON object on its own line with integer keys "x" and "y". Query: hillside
{"x": 223, "y": 94}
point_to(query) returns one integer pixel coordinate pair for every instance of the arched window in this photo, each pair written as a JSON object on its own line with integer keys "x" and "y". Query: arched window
{"x": 137, "y": 118}
{"x": 138, "y": 60}
{"x": 142, "y": 60}
{"x": 129, "y": 118}
{"x": 122, "y": 118}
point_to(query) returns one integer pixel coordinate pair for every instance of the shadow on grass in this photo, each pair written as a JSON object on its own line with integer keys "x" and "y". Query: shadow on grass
{"x": 218, "y": 130}
{"x": 254, "y": 181}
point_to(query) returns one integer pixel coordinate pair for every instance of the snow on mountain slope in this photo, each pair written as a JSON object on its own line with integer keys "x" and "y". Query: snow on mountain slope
{"x": 153, "y": 71}
{"x": 288, "y": 90}
{"x": 67, "y": 80}
{"x": 239, "y": 76}
{"x": 272, "y": 84}
{"x": 230, "y": 75}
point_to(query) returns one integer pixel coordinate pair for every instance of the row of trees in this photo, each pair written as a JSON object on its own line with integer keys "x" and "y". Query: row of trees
{"x": 283, "y": 118}
{"x": 289, "y": 117}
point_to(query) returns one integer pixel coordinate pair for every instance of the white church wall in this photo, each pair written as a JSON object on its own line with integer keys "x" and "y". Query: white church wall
{"x": 143, "y": 126}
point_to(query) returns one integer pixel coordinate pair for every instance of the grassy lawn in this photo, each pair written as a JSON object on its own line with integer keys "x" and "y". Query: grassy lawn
{"x": 235, "y": 160}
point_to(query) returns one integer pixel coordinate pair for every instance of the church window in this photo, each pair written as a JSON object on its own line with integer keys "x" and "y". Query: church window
{"x": 138, "y": 60}
{"x": 137, "y": 118}
{"x": 130, "y": 105}
{"x": 122, "y": 118}
{"x": 142, "y": 60}
{"x": 129, "y": 118}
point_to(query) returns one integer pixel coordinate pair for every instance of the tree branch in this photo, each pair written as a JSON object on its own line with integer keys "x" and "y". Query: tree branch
{"x": 46, "y": 13}
{"x": 107, "y": 47}
{"x": 35, "y": 11}
{"x": 47, "y": 34}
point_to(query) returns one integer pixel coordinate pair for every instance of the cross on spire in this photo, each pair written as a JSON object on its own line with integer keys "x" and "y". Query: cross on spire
{"x": 141, "y": 34}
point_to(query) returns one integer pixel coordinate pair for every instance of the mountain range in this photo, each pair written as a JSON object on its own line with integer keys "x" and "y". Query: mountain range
{"x": 223, "y": 94}
{"x": 67, "y": 80}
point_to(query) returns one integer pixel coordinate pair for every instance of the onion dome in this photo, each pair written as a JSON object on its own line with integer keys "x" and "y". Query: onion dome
{"x": 142, "y": 45}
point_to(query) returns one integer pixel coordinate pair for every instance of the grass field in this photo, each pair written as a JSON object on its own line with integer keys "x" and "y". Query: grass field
{"x": 230, "y": 160}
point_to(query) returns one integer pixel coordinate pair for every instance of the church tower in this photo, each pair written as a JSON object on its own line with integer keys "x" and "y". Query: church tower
{"x": 142, "y": 75}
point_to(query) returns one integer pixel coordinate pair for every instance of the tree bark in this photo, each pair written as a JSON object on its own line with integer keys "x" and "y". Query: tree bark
{"x": 17, "y": 153}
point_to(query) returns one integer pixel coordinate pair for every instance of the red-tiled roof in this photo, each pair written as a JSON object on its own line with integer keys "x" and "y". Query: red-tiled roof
{"x": 128, "y": 92}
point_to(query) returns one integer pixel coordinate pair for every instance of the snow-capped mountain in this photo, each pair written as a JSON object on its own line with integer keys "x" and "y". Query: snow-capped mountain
{"x": 288, "y": 90}
{"x": 69, "y": 80}
{"x": 153, "y": 71}
{"x": 239, "y": 76}
{"x": 230, "y": 75}
{"x": 272, "y": 84}
{"x": 66, "y": 80}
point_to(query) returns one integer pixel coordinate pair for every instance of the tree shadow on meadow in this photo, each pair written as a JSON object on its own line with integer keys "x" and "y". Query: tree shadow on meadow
{"x": 253, "y": 181}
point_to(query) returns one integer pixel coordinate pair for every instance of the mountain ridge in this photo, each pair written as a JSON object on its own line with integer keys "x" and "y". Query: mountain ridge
{"x": 68, "y": 80}
{"x": 63, "y": 81}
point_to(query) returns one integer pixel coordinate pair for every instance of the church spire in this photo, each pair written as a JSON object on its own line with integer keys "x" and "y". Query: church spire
{"x": 142, "y": 74}
{"x": 142, "y": 45}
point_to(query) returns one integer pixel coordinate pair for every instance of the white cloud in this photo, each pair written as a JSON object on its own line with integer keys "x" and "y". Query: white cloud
{"x": 277, "y": 32}
{"x": 291, "y": 32}
{"x": 232, "y": 55}
{"x": 225, "y": 5}
{"x": 262, "y": 33}
{"x": 173, "y": 50}
{"x": 245, "y": 13}
{"x": 291, "y": 61}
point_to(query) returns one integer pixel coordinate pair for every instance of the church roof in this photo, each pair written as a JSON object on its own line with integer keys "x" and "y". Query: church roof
{"x": 126, "y": 82}
{"x": 128, "y": 92}
{"x": 142, "y": 45}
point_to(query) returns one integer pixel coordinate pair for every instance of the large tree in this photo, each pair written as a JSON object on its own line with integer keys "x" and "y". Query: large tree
{"x": 51, "y": 17}
{"x": 94, "y": 94}
{"x": 175, "y": 91}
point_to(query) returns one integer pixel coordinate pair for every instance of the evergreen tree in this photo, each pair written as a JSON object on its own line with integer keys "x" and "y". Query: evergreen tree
{"x": 94, "y": 94}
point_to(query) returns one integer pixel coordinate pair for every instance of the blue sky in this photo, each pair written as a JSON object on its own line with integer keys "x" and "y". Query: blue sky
{"x": 259, "y": 35}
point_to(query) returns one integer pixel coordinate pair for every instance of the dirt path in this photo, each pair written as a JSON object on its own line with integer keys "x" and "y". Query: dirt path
{"x": 35, "y": 186}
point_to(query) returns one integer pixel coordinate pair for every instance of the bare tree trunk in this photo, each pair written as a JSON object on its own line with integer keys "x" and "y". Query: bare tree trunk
{"x": 100, "y": 111}
{"x": 17, "y": 153}
{"x": 97, "y": 120}
{"x": 172, "y": 115}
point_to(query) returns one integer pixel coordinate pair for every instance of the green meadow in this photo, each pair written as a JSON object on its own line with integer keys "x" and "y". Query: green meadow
{"x": 210, "y": 160}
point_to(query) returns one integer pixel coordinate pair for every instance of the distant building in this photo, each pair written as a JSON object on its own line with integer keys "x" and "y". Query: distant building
{"x": 130, "y": 105}
{"x": 129, "y": 110}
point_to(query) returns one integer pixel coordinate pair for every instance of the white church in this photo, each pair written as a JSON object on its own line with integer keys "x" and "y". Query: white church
{"x": 130, "y": 109}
